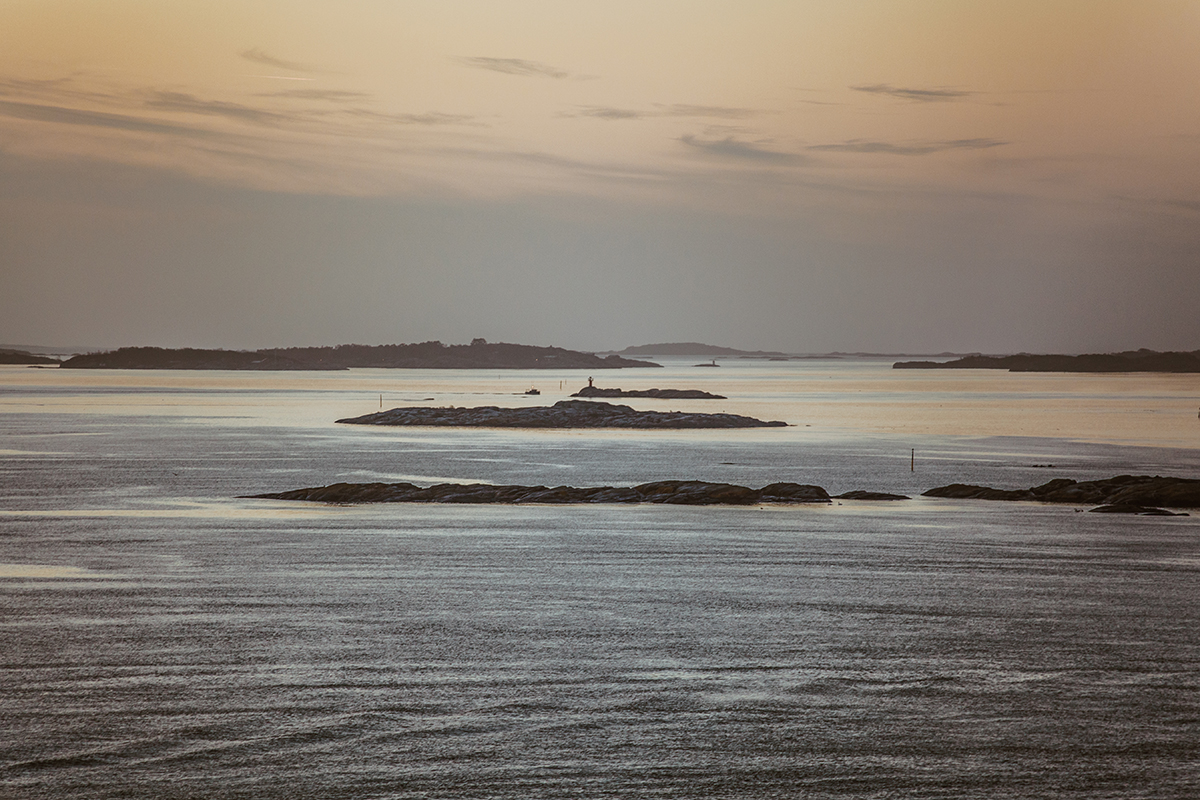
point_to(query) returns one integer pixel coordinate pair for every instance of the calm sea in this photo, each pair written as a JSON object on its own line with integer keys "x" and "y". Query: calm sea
{"x": 160, "y": 638}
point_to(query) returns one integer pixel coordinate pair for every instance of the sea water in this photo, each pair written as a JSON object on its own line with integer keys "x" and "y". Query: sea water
{"x": 161, "y": 637}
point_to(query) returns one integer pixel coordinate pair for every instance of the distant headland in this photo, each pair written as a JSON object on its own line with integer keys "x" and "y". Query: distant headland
{"x": 8, "y": 356}
{"x": 1128, "y": 361}
{"x": 479, "y": 354}
{"x": 563, "y": 414}
{"x": 691, "y": 349}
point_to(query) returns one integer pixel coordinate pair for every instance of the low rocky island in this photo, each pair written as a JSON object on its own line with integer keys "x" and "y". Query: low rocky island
{"x": 1124, "y": 494}
{"x": 688, "y": 493}
{"x": 563, "y": 414}
{"x": 662, "y": 394}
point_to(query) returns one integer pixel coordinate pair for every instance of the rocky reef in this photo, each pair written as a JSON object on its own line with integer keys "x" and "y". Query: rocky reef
{"x": 860, "y": 494}
{"x": 688, "y": 493}
{"x": 563, "y": 414}
{"x": 1127, "y": 494}
{"x": 664, "y": 394}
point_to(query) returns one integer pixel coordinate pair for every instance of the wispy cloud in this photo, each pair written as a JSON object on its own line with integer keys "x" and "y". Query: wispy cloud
{"x": 100, "y": 119}
{"x": 22, "y": 86}
{"x": 428, "y": 118}
{"x": 917, "y": 95}
{"x": 331, "y": 95}
{"x": 721, "y": 112}
{"x": 179, "y": 101}
{"x": 666, "y": 110}
{"x": 514, "y": 66}
{"x": 1189, "y": 205}
{"x": 914, "y": 149}
{"x": 608, "y": 112}
{"x": 259, "y": 57}
{"x": 732, "y": 148}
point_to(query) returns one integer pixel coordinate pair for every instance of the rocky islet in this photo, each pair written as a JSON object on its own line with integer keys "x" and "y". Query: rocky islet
{"x": 563, "y": 414}
{"x": 690, "y": 493}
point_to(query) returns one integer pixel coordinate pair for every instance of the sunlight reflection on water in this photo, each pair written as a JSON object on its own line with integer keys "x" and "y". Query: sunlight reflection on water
{"x": 166, "y": 639}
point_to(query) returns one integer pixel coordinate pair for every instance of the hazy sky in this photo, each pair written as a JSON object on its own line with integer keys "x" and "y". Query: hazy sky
{"x": 808, "y": 176}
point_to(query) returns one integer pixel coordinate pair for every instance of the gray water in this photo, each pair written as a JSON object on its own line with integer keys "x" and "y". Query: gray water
{"x": 162, "y": 638}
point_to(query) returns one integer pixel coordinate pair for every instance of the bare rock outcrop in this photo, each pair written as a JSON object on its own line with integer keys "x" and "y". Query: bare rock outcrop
{"x": 663, "y": 394}
{"x": 1130, "y": 494}
{"x": 563, "y": 414}
{"x": 688, "y": 493}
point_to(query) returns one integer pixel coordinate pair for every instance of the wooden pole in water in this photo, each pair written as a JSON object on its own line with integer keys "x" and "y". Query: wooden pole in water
{"x": 912, "y": 460}
{"x": 381, "y": 401}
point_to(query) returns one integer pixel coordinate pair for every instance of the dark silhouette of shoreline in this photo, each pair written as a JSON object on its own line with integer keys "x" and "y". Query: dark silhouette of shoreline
{"x": 426, "y": 355}
{"x": 1128, "y": 361}
{"x": 8, "y": 356}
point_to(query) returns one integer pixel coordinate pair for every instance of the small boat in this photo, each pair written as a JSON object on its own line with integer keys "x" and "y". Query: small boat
{"x": 533, "y": 391}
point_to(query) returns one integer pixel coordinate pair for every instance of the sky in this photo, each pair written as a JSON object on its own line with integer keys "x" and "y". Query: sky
{"x": 886, "y": 176}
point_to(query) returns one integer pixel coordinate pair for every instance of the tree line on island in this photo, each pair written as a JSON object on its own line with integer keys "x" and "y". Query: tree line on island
{"x": 479, "y": 354}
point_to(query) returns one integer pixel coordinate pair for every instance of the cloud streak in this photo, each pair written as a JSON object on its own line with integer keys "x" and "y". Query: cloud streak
{"x": 73, "y": 116}
{"x": 514, "y": 66}
{"x": 331, "y": 95}
{"x": 916, "y": 149}
{"x": 259, "y": 57}
{"x": 608, "y": 112}
{"x": 428, "y": 118}
{"x": 180, "y": 101}
{"x": 720, "y": 112}
{"x": 665, "y": 110}
{"x": 732, "y": 148}
{"x": 916, "y": 95}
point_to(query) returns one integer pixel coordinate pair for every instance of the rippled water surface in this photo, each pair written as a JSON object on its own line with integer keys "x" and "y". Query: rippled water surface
{"x": 162, "y": 638}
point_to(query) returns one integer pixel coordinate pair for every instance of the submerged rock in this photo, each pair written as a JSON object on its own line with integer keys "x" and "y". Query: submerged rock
{"x": 1144, "y": 511}
{"x": 861, "y": 494}
{"x": 563, "y": 414}
{"x": 690, "y": 493}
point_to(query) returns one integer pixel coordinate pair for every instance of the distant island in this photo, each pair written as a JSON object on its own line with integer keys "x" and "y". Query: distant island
{"x": 663, "y": 394}
{"x": 1129, "y": 361}
{"x": 691, "y": 349}
{"x": 563, "y": 414}
{"x": 22, "y": 357}
{"x": 689, "y": 493}
{"x": 1129, "y": 494}
{"x": 480, "y": 354}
